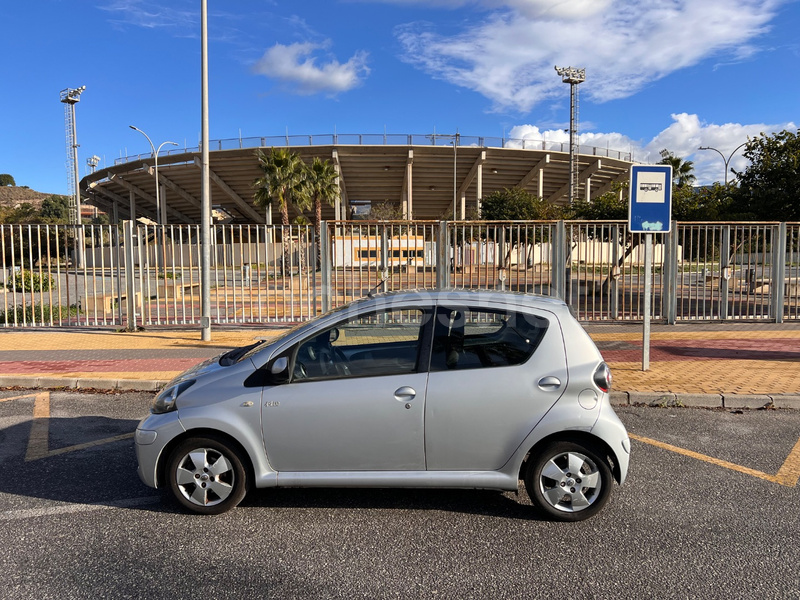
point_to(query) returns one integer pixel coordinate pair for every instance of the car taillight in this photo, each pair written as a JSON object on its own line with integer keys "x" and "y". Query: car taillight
{"x": 602, "y": 377}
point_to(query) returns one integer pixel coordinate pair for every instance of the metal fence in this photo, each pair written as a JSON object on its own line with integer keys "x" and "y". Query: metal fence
{"x": 133, "y": 276}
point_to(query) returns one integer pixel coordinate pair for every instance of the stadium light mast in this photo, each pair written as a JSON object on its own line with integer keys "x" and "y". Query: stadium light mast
{"x": 70, "y": 97}
{"x": 574, "y": 77}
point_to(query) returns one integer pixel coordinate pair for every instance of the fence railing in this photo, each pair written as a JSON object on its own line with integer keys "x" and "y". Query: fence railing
{"x": 132, "y": 276}
{"x": 384, "y": 139}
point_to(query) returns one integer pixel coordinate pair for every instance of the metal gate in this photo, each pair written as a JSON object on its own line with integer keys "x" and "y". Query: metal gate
{"x": 133, "y": 276}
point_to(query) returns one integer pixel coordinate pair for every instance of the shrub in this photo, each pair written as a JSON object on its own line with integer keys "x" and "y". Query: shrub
{"x": 30, "y": 281}
{"x": 37, "y": 313}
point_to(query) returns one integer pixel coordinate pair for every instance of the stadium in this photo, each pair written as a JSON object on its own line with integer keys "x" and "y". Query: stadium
{"x": 423, "y": 176}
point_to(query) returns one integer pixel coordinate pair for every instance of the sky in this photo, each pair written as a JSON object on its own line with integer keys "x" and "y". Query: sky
{"x": 660, "y": 74}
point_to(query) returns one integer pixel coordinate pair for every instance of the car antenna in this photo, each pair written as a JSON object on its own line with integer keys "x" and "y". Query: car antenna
{"x": 371, "y": 293}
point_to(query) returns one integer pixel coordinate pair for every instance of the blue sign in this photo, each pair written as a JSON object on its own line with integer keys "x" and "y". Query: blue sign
{"x": 650, "y": 206}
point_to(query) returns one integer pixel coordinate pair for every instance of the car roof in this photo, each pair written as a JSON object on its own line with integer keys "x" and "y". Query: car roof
{"x": 473, "y": 297}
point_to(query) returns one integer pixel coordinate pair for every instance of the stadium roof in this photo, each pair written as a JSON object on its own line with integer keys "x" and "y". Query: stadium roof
{"x": 417, "y": 171}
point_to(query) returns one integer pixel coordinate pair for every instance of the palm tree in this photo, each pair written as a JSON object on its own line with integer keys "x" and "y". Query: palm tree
{"x": 321, "y": 186}
{"x": 283, "y": 178}
{"x": 682, "y": 170}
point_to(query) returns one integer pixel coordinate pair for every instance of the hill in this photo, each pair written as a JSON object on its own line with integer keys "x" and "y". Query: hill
{"x": 12, "y": 196}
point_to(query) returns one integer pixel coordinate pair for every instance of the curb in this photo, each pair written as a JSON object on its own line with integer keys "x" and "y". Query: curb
{"x": 728, "y": 401}
{"x": 82, "y": 383}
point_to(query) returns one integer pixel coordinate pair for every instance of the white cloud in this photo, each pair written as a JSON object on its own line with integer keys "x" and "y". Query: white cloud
{"x": 683, "y": 138}
{"x": 509, "y": 56}
{"x": 297, "y": 68}
{"x": 152, "y": 15}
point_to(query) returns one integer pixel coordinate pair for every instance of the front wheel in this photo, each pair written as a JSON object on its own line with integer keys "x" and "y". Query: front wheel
{"x": 206, "y": 476}
{"x": 568, "y": 481}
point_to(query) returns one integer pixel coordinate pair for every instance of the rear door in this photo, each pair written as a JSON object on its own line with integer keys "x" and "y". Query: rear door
{"x": 493, "y": 376}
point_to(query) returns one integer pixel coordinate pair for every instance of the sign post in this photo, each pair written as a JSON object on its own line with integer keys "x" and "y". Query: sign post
{"x": 649, "y": 210}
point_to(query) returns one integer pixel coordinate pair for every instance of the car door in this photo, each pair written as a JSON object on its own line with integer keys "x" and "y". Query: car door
{"x": 494, "y": 374}
{"x": 356, "y": 399}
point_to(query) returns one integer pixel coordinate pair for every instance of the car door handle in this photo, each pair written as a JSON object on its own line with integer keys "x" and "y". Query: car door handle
{"x": 549, "y": 383}
{"x": 405, "y": 394}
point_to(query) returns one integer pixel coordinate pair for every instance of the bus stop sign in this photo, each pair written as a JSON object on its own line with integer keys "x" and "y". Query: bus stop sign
{"x": 650, "y": 206}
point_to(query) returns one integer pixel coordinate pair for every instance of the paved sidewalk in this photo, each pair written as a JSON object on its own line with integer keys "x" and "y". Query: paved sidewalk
{"x": 735, "y": 365}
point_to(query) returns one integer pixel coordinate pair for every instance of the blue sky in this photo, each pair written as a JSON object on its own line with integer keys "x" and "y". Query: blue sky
{"x": 673, "y": 74}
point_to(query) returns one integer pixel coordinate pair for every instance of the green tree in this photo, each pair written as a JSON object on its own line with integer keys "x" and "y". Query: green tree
{"x": 517, "y": 204}
{"x": 283, "y": 180}
{"x": 706, "y": 203}
{"x": 22, "y": 214}
{"x": 682, "y": 170}
{"x": 769, "y": 187}
{"x": 55, "y": 209}
{"x": 613, "y": 205}
{"x": 6, "y": 179}
{"x": 321, "y": 186}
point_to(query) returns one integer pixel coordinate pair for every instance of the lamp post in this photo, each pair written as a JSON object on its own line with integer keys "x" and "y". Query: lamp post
{"x": 161, "y": 215}
{"x": 725, "y": 160}
{"x": 160, "y": 218}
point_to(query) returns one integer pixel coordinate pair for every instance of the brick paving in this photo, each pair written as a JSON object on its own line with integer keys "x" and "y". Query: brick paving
{"x": 723, "y": 359}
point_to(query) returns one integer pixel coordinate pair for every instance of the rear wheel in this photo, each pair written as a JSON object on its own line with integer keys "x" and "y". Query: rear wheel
{"x": 207, "y": 476}
{"x": 568, "y": 481}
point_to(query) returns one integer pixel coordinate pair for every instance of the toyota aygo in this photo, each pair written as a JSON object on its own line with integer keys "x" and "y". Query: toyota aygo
{"x": 418, "y": 389}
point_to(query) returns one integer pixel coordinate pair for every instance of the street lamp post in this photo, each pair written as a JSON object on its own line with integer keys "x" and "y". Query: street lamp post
{"x": 725, "y": 160}
{"x": 160, "y": 214}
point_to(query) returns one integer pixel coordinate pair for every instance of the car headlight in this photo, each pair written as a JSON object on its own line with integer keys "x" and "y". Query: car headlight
{"x": 165, "y": 401}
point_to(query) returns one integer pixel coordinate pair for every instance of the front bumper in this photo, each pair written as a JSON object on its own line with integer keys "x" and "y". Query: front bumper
{"x": 153, "y": 434}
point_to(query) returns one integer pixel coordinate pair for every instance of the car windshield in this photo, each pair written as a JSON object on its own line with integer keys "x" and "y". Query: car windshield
{"x": 240, "y": 354}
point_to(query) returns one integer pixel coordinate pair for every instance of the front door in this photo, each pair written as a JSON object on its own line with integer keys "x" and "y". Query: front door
{"x": 356, "y": 401}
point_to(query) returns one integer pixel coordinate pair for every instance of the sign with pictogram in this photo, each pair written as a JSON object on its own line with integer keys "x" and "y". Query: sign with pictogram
{"x": 650, "y": 206}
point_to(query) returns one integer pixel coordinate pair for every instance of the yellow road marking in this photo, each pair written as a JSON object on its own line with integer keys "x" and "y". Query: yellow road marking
{"x": 18, "y": 397}
{"x": 39, "y": 438}
{"x": 787, "y": 475}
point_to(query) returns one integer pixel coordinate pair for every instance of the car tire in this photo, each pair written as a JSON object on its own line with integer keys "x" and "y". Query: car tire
{"x": 568, "y": 481}
{"x": 206, "y": 475}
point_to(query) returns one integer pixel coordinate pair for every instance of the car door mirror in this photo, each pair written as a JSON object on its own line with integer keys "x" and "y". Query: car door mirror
{"x": 279, "y": 366}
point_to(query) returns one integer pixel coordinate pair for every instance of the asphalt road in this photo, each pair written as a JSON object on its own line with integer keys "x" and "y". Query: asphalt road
{"x": 75, "y": 522}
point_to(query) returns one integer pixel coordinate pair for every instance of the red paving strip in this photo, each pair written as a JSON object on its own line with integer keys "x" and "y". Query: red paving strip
{"x": 87, "y": 366}
{"x": 777, "y": 349}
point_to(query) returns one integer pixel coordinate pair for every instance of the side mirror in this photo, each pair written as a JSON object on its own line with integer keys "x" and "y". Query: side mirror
{"x": 279, "y": 366}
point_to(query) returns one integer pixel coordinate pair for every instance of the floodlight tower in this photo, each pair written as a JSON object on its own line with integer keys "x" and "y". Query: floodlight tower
{"x": 70, "y": 97}
{"x": 92, "y": 163}
{"x": 573, "y": 76}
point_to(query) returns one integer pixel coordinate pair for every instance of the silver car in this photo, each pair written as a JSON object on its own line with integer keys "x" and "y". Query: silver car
{"x": 419, "y": 389}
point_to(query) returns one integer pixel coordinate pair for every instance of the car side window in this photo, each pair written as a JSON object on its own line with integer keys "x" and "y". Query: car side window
{"x": 380, "y": 343}
{"x": 465, "y": 338}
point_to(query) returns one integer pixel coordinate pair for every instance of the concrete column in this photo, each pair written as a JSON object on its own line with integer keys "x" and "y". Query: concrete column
{"x": 479, "y": 188}
{"x": 540, "y": 186}
{"x": 132, "y": 198}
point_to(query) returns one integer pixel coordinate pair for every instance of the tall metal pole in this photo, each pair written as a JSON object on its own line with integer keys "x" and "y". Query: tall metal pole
{"x": 205, "y": 194}
{"x": 161, "y": 211}
{"x": 573, "y": 76}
